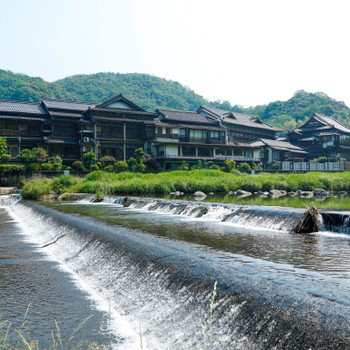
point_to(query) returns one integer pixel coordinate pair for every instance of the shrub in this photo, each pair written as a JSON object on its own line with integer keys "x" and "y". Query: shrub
{"x": 153, "y": 164}
{"x": 11, "y": 169}
{"x": 107, "y": 160}
{"x": 140, "y": 155}
{"x": 229, "y": 164}
{"x": 61, "y": 183}
{"x": 56, "y": 162}
{"x": 140, "y": 168}
{"x": 89, "y": 158}
{"x": 132, "y": 163}
{"x": 109, "y": 168}
{"x": 244, "y": 168}
{"x": 40, "y": 154}
{"x": 77, "y": 166}
{"x": 183, "y": 165}
{"x": 94, "y": 167}
{"x": 31, "y": 167}
{"x": 122, "y": 166}
{"x": 46, "y": 166}
{"x": 198, "y": 165}
{"x": 26, "y": 157}
{"x": 35, "y": 188}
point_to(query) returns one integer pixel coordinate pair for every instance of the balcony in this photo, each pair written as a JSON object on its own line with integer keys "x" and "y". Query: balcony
{"x": 217, "y": 158}
{"x": 8, "y": 132}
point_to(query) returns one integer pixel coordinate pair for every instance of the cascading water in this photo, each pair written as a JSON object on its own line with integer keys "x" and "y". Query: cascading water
{"x": 166, "y": 284}
{"x": 7, "y": 201}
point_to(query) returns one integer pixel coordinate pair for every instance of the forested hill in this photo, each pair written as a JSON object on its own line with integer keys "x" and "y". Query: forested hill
{"x": 150, "y": 92}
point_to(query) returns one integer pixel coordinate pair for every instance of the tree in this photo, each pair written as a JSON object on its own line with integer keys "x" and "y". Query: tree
{"x": 122, "y": 166}
{"x": 132, "y": 163}
{"x": 4, "y": 157}
{"x": 89, "y": 158}
{"x": 26, "y": 157}
{"x": 139, "y": 155}
{"x": 56, "y": 162}
{"x": 229, "y": 164}
{"x": 39, "y": 154}
{"x": 244, "y": 168}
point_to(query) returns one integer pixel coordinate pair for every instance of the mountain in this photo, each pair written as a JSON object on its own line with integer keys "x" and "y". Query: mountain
{"x": 150, "y": 92}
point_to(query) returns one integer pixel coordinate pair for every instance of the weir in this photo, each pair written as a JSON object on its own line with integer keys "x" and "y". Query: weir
{"x": 167, "y": 284}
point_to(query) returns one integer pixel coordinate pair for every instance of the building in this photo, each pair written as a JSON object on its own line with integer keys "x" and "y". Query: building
{"x": 322, "y": 136}
{"x": 189, "y": 136}
{"x": 241, "y": 128}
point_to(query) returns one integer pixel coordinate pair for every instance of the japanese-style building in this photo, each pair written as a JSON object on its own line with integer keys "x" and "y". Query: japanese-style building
{"x": 322, "y": 136}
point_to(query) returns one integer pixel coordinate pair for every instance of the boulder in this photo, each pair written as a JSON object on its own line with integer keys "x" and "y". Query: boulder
{"x": 199, "y": 195}
{"x": 277, "y": 193}
{"x": 306, "y": 194}
{"x": 243, "y": 194}
{"x": 292, "y": 193}
{"x": 211, "y": 193}
{"x": 320, "y": 192}
{"x": 343, "y": 193}
{"x": 231, "y": 192}
{"x": 7, "y": 190}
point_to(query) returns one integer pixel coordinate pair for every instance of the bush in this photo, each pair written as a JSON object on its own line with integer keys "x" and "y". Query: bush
{"x": 198, "y": 165}
{"x": 132, "y": 163}
{"x": 6, "y": 169}
{"x": 61, "y": 183}
{"x": 40, "y": 154}
{"x": 46, "y": 166}
{"x": 229, "y": 165}
{"x": 77, "y": 166}
{"x": 122, "y": 166}
{"x": 31, "y": 167}
{"x": 109, "y": 168}
{"x": 26, "y": 157}
{"x": 244, "y": 168}
{"x": 184, "y": 165}
{"x": 89, "y": 158}
{"x": 5, "y": 158}
{"x": 107, "y": 160}
{"x": 35, "y": 188}
{"x": 56, "y": 162}
{"x": 140, "y": 168}
{"x": 94, "y": 167}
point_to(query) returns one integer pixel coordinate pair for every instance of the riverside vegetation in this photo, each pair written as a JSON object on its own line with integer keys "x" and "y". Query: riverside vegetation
{"x": 205, "y": 180}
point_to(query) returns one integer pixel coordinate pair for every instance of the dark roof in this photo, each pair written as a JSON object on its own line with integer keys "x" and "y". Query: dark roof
{"x": 21, "y": 107}
{"x": 183, "y": 116}
{"x": 326, "y": 124}
{"x": 67, "y": 105}
{"x": 237, "y": 118}
{"x": 279, "y": 145}
{"x": 65, "y": 114}
{"x": 20, "y": 117}
{"x": 122, "y": 111}
{"x": 119, "y": 98}
{"x": 160, "y": 123}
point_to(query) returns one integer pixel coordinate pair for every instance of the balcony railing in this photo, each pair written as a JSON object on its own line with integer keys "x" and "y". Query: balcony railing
{"x": 8, "y": 132}
{"x": 220, "y": 158}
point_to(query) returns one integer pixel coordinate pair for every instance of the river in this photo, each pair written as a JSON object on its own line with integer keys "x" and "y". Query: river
{"x": 147, "y": 272}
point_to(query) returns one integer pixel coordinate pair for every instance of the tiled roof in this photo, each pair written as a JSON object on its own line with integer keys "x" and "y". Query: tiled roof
{"x": 239, "y": 118}
{"x": 164, "y": 123}
{"x": 70, "y": 105}
{"x": 183, "y": 116}
{"x": 65, "y": 114}
{"x": 280, "y": 145}
{"x": 122, "y": 111}
{"x": 24, "y": 117}
{"x": 332, "y": 122}
{"x": 21, "y": 107}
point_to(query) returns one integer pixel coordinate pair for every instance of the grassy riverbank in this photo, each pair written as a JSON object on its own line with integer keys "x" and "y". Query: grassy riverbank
{"x": 127, "y": 183}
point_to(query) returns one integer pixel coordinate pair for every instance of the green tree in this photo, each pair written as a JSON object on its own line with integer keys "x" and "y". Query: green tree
{"x": 89, "y": 158}
{"x": 40, "y": 154}
{"x": 56, "y": 162}
{"x": 244, "y": 168}
{"x": 26, "y": 157}
{"x": 4, "y": 157}
{"x": 122, "y": 166}
{"x": 229, "y": 164}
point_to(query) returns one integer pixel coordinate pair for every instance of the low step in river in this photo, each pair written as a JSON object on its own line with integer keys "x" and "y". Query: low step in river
{"x": 146, "y": 269}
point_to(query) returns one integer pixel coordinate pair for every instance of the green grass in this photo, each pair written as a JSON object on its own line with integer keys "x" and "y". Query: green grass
{"x": 216, "y": 181}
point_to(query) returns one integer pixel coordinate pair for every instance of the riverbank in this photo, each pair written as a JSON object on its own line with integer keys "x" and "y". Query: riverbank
{"x": 208, "y": 181}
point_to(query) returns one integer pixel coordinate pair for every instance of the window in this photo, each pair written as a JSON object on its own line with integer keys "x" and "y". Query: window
{"x": 168, "y": 131}
{"x": 159, "y": 131}
{"x": 248, "y": 153}
{"x": 204, "y": 152}
{"x": 189, "y": 151}
{"x": 182, "y": 133}
{"x": 214, "y": 135}
{"x": 13, "y": 151}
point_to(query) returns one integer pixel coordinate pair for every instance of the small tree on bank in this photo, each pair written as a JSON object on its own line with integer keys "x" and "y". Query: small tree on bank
{"x": 89, "y": 159}
{"x": 4, "y": 157}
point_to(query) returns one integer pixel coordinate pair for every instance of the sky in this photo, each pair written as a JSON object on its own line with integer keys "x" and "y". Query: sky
{"x": 247, "y": 52}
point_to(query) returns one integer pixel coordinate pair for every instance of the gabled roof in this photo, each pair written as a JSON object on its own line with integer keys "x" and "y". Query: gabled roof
{"x": 66, "y": 105}
{"x": 325, "y": 123}
{"x": 236, "y": 118}
{"x": 21, "y": 107}
{"x": 279, "y": 145}
{"x": 183, "y": 117}
{"x": 119, "y": 102}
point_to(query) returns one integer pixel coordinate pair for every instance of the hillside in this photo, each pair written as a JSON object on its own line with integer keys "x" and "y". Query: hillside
{"x": 150, "y": 92}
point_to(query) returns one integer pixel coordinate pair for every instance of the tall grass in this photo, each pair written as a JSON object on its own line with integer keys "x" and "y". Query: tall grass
{"x": 185, "y": 181}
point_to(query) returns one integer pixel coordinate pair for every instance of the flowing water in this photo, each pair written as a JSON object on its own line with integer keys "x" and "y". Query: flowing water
{"x": 148, "y": 266}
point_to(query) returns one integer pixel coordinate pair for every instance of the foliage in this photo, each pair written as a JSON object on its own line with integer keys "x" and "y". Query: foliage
{"x": 229, "y": 165}
{"x": 198, "y": 165}
{"x": 244, "y": 168}
{"x": 183, "y": 165}
{"x": 132, "y": 162}
{"x": 35, "y": 188}
{"x": 26, "y": 157}
{"x": 56, "y": 162}
{"x": 95, "y": 167}
{"x": 40, "y": 154}
{"x": 107, "y": 160}
{"x": 319, "y": 160}
{"x": 139, "y": 155}
{"x": 61, "y": 183}
{"x": 89, "y": 158}
{"x": 122, "y": 166}
{"x": 46, "y": 166}
{"x": 109, "y": 168}
{"x": 31, "y": 167}
{"x": 4, "y": 157}
{"x": 152, "y": 164}
{"x": 140, "y": 168}
{"x": 6, "y": 169}
{"x": 77, "y": 165}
